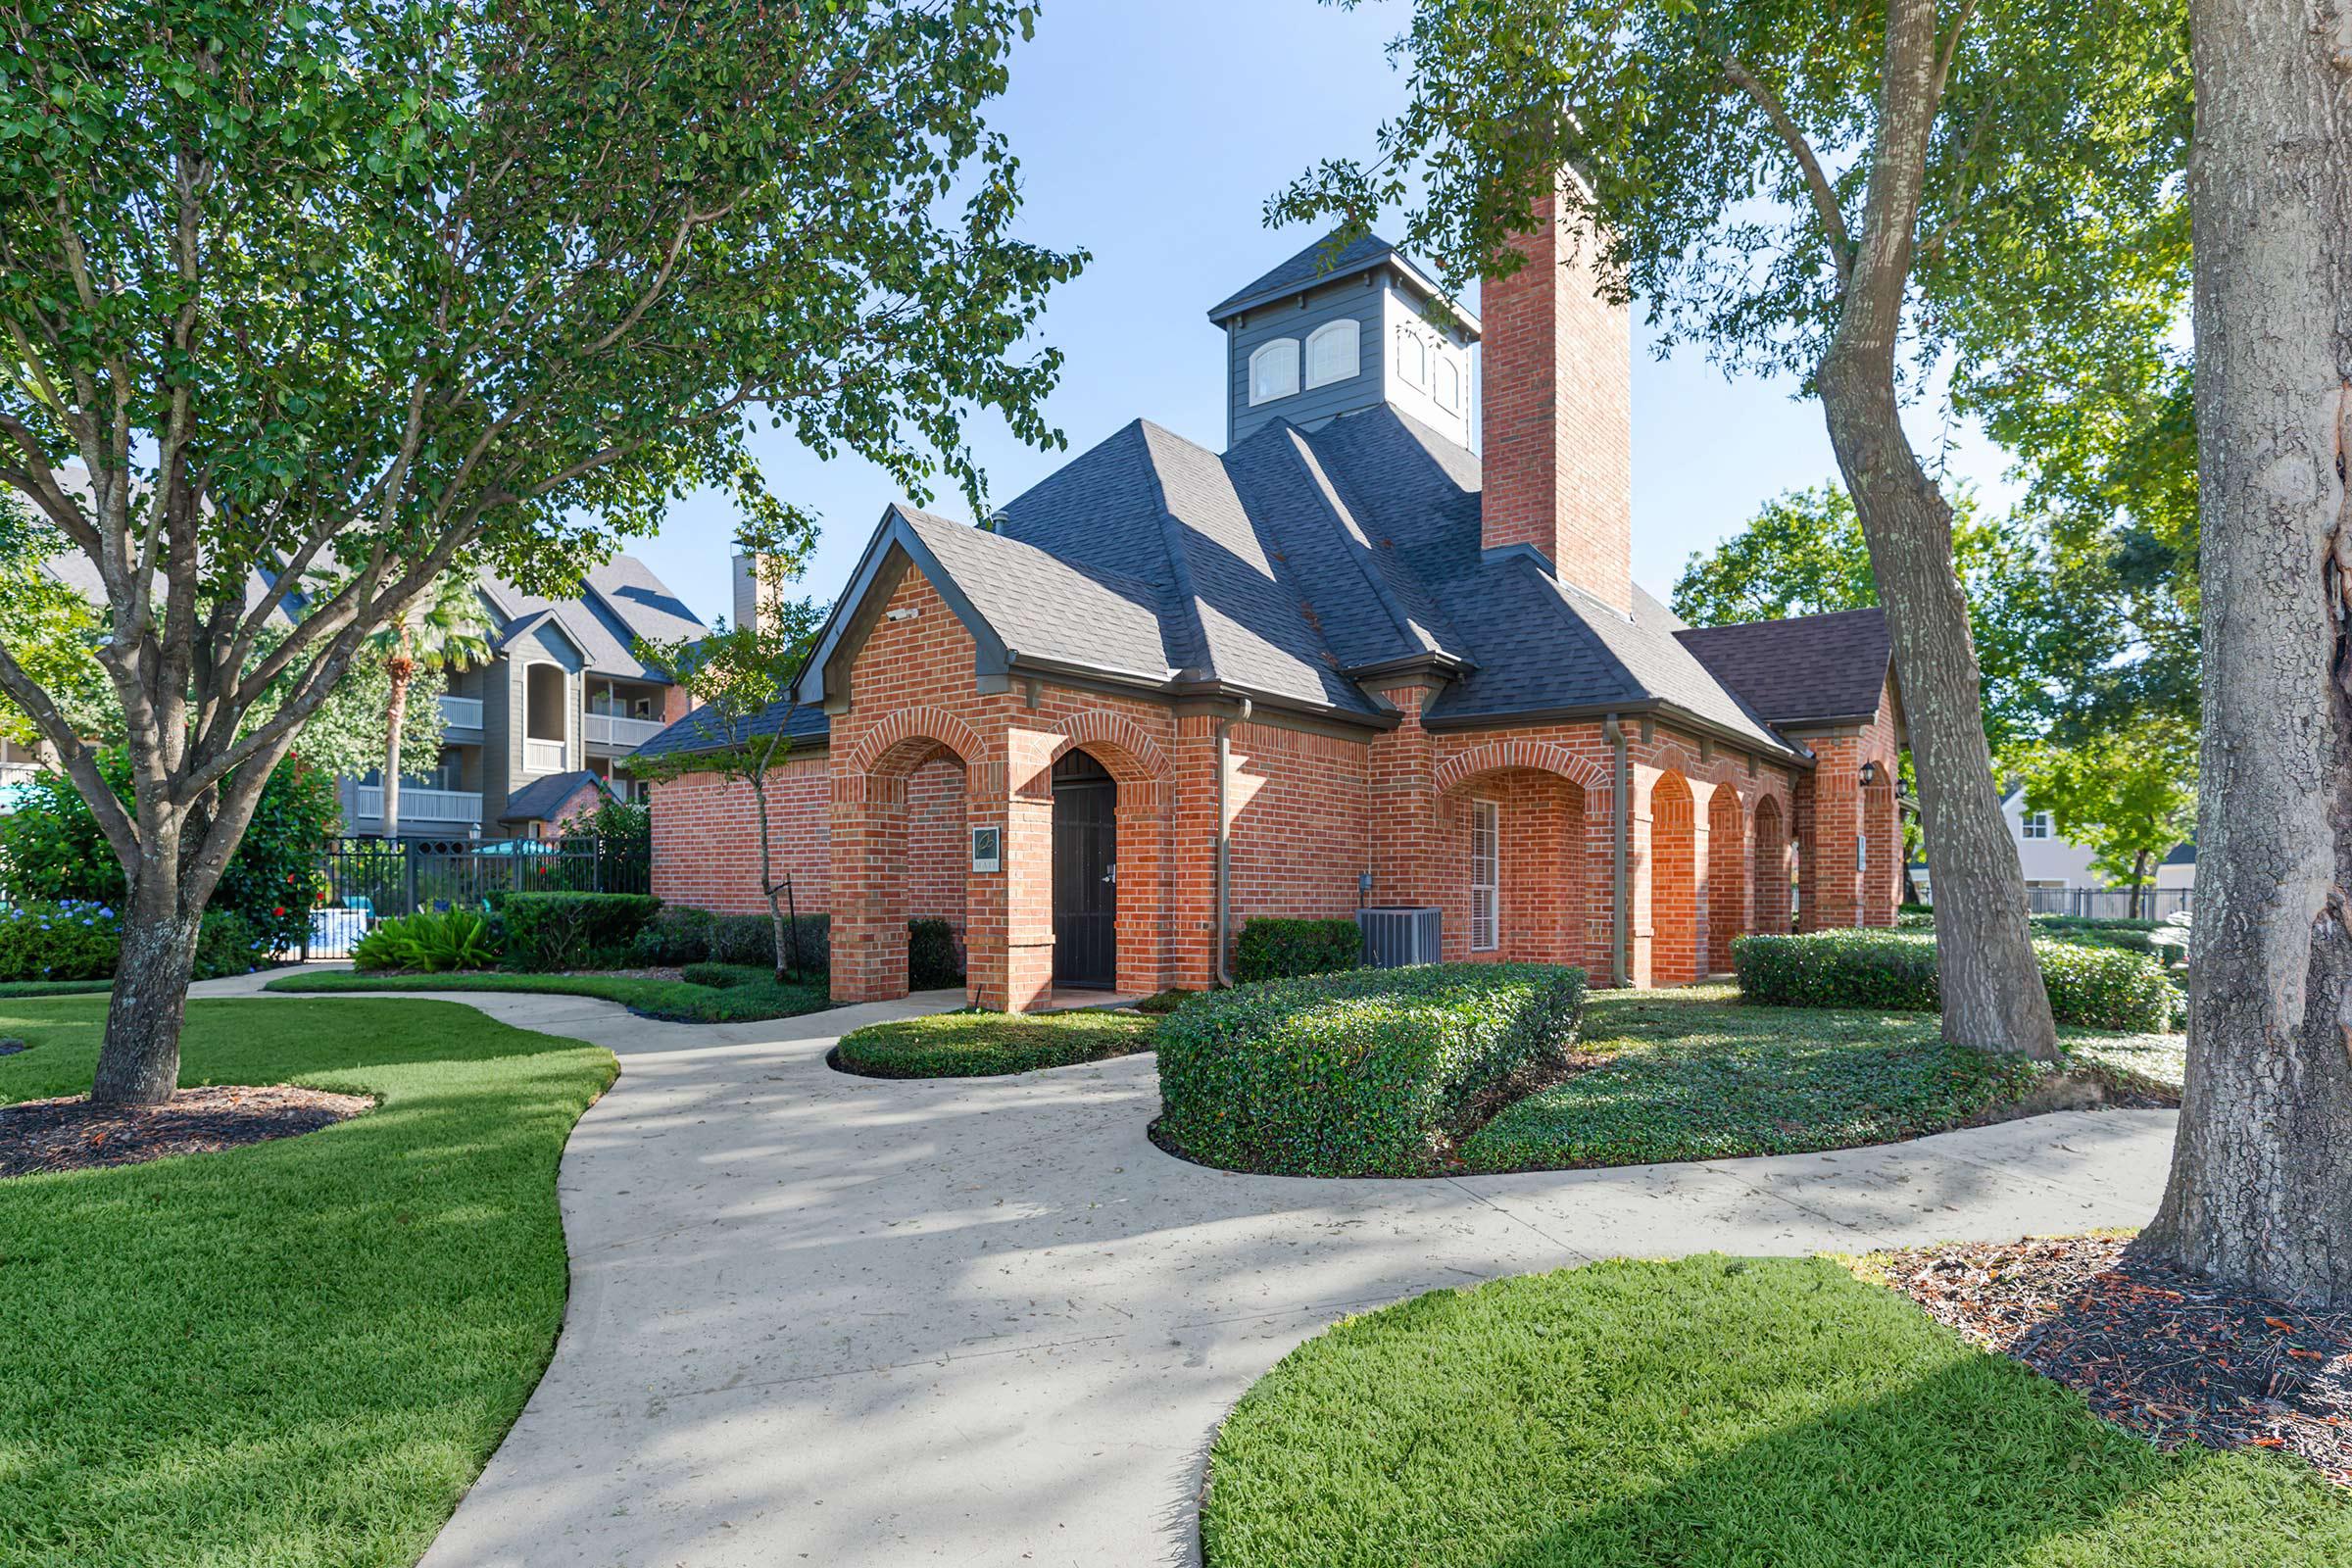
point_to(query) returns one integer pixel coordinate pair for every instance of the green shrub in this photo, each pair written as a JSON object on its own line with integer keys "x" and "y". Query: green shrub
{"x": 430, "y": 943}
{"x": 1354, "y": 1075}
{"x": 2098, "y": 987}
{"x": 931, "y": 960}
{"x": 52, "y": 849}
{"x": 550, "y": 931}
{"x": 1277, "y": 948}
{"x": 750, "y": 939}
{"x": 724, "y": 976}
{"x": 675, "y": 935}
{"x": 977, "y": 1043}
{"x": 226, "y": 944}
{"x": 73, "y": 940}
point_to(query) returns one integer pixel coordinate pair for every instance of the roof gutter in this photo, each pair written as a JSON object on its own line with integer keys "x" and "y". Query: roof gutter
{"x": 1682, "y": 716}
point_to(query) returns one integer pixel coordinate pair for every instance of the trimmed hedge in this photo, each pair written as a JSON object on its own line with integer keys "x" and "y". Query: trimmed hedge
{"x": 549, "y": 931}
{"x": 1274, "y": 948}
{"x": 1354, "y": 1075}
{"x": 2099, "y": 988}
{"x": 931, "y": 960}
{"x": 975, "y": 1043}
{"x": 681, "y": 935}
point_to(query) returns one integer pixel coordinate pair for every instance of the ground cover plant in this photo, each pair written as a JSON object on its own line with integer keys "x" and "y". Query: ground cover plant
{"x": 1732, "y": 1412}
{"x": 2094, "y": 987}
{"x": 753, "y": 994}
{"x": 299, "y": 1352}
{"x": 1694, "y": 1073}
{"x": 974, "y": 1044}
{"x": 1356, "y": 1075}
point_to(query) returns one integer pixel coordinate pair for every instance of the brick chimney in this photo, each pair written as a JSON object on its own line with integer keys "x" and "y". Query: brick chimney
{"x": 753, "y": 607}
{"x": 1557, "y": 452}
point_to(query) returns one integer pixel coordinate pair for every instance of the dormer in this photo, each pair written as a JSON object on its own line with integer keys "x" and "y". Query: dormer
{"x": 1321, "y": 336}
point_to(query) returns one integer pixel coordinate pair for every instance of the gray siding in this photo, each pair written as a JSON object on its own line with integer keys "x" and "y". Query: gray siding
{"x": 1358, "y": 297}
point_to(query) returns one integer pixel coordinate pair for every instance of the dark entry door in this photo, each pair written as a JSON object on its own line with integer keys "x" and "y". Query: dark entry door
{"x": 1086, "y": 874}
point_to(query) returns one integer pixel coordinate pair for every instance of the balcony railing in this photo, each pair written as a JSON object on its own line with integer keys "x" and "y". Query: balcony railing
{"x": 423, "y": 804}
{"x": 543, "y": 757}
{"x": 461, "y": 712}
{"x": 612, "y": 730}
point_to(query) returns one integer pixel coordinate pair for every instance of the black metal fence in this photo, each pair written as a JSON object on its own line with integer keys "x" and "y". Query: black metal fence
{"x": 380, "y": 879}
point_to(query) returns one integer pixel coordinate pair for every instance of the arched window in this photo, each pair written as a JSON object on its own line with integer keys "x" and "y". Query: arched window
{"x": 1274, "y": 370}
{"x": 1413, "y": 358}
{"x": 1333, "y": 352}
{"x": 1449, "y": 383}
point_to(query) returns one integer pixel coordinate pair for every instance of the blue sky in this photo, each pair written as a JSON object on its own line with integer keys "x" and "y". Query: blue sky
{"x": 1150, "y": 135}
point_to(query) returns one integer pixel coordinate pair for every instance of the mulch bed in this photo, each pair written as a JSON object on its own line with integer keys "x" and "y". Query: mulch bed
{"x": 2166, "y": 1354}
{"x": 52, "y": 1135}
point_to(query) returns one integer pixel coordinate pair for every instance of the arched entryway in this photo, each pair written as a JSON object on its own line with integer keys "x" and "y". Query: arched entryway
{"x": 1727, "y": 877}
{"x": 1514, "y": 885}
{"x": 1675, "y": 948}
{"x": 897, "y": 848}
{"x": 1772, "y": 869}
{"x": 1086, "y": 874}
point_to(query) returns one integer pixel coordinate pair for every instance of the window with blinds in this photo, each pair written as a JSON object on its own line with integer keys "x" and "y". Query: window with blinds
{"x": 1485, "y": 875}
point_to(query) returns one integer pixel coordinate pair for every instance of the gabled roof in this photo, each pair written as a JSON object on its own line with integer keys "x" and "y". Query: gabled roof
{"x": 620, "y": 602}
{"x": 541, "y": 798}
{"x": 1803, "y": 671}
{"x": 700, "y": 731}
{"x": 1313, "y": 266}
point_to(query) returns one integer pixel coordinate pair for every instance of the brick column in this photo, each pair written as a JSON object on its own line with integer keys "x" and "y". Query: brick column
{"x": 1144, "y": 911}
{"x": 1600, "y": 884}
{"x": 870, "y": 887}
{"x": 1640, "y": 879}
{"x": 1407, "y": 851}
{"x": 1881, "y": 828}
{"x": 1703, "y": 876}
{"x": 1832, "y": 873}
{"x": 1193, "y": 854}
{"x": 1023, "y": 788}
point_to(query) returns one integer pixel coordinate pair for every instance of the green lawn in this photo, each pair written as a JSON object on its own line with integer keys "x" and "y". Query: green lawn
{"x": 1713, "y": 1413}
{"x": 297, "y": 1352}
{"x": 1696, "y": 1074}
{"x": 979, "y": 1044}
{"x": 54, "y": 987}
{"x": 757, "y": 994}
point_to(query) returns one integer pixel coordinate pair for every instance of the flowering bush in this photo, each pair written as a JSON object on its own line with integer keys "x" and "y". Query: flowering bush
{"x": 74, "y": 939}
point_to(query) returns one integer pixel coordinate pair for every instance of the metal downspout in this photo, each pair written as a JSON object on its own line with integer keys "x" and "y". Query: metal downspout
{"x": 1225, "y": 839}
{"x": 1621, "y": 939}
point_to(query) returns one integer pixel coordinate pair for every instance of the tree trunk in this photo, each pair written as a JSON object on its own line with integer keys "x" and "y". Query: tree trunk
{"x": 396, "y": 719}
{"x": 2139, "y": 885}
{"x": 138, "y": 1064}
{"x": 1992, "y": 993}
{"x": 2261, "y": 1187}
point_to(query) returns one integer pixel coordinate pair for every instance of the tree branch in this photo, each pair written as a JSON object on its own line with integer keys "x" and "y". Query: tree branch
{"x": 1817, "y": 181}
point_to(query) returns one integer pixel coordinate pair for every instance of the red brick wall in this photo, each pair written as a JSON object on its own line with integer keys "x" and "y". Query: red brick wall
{"x": 706, "y": 837}
{"x": 1674, "y": 884}
{"x": 936, "y": 843}
{"x": 1844, "y": 886}
{"x": 1298, "y": 805}
{"x": 1557, "y": 408}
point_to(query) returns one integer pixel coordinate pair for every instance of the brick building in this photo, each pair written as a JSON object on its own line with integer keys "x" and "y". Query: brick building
{"x": 1347, "y": 661}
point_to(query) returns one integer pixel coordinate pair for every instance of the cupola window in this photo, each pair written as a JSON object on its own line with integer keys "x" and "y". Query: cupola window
{"x": 1274, "y": 370}
{"x": 1413, "y": 358}
{"x": 1333, "y": 352}
{"x": 1449, "y": 384}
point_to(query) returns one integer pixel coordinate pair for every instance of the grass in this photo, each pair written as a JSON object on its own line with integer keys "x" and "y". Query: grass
{"x": 980, "y": 1045}
{"x": 1776, "y": 1413}
{"x": 756, "y": 995}
{"x": 1694, "y": 1074}
{"x": 294, "y": 1353}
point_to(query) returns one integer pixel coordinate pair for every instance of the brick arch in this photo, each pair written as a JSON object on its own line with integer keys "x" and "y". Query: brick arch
{"x": 1677, "y": 944}
{"x": 904, "y": 740}
{"x": 1670, "y": 757}
{"x": 1727, "y": 916}
{"x": 1114, "y": 740}
{"x": 1771, "y": 862}
{"x": 1540, "y": 756}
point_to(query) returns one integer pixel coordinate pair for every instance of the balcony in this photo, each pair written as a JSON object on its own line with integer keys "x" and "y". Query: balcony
{"x": 461, "y": 712}
{"x": 421, "y": 806}
{"x": 627, "y": 734}
{"x": 543, "y": 757}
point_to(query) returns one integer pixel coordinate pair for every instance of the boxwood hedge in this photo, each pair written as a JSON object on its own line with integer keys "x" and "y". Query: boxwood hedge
{"x": 2100, "y": 988}
{"x": 1275, "y": 947}
{"x": 1353, "y": 1074}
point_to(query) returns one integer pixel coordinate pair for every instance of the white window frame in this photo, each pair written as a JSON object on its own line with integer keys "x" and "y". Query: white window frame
{"x": 1412, "y": 359}
{"x": 1287, "y": 348}
{"x": 1448, "y": 384}
{"x": 2037, "y": 825}
{"x": 1352, "y": 355}
{"x": 1486, "y": 876}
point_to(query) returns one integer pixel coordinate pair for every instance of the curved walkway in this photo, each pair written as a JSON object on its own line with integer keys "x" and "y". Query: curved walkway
{"x": 855, "y": 1321}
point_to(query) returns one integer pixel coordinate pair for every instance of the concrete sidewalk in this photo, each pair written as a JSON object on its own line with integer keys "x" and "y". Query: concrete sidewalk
{"x": 855, "y": 1322}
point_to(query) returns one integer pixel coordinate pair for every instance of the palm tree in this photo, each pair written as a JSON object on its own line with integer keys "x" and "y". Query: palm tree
{"x": 444, "y": 629}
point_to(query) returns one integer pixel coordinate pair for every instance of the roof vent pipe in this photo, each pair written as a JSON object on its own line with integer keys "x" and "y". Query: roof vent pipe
{"x": 1241, "y": 716}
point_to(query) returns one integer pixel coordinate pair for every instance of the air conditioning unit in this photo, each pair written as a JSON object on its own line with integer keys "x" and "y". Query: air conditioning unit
{"x": 1397, "y": 935}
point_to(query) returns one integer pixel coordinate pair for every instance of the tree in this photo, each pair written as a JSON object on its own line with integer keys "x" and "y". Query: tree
{"x": 740, "y": 679}
{"x": 400, "y": 284}
{"x": 2260, "y": 1194}
{"x": 1818, "y": 193}
{"x": 2127, "y": 796}
{"x": 2029, "y": 614}
{"x": 445, "y": 630}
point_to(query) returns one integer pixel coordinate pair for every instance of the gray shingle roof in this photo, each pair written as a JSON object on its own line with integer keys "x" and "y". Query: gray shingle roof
{"x": 1821, "y": 669}
{"x": 1308, "y": 267}
{"x": 622, "y": 601}
{"x": 543, "y": 798}
{"x": 698, "y": 731}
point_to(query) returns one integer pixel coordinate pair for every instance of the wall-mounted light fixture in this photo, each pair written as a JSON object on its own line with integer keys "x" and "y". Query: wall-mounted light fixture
{"x": 1870, "y": 774}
